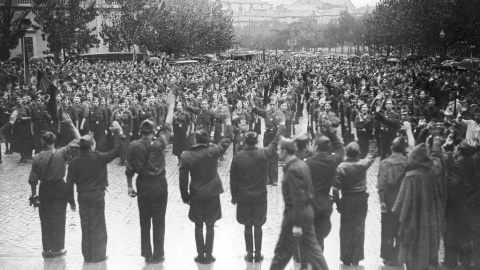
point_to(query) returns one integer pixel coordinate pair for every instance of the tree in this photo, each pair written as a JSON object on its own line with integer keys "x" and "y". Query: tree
{"x": 12, "y": 28}
{"x": 64, "y": 25}
{"x": 122, "y": 28}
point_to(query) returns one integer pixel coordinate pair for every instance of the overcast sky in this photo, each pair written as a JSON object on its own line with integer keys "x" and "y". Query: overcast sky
{"x": 361, "y": 3}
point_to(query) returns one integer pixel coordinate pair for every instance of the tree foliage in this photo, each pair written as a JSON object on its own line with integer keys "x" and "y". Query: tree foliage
{"x": 415, "y": 25}
{"x": 64, "y": 25}
{"x": 12, "y": 28}
{"x": 180, "y": 26}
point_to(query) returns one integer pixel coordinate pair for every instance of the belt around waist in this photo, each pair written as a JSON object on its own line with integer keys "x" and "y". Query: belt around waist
{"x": 93, "y": 190}
{"x": 51, "y": 183}
{"x": 354, "y": 192}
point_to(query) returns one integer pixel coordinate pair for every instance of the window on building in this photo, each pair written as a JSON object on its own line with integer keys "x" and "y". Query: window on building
{"x": 24, "y": 2}
{"x": 29, "y": 46}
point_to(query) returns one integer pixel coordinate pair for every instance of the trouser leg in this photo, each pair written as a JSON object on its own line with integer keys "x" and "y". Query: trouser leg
{"x": 322, "y": 227}
{"x": 284, "y": 248}
{"x": 145, "y": 211}
{"x": 389, "y": 248}
{"x": 311, "y": 250}
{"x": 57, "y": 230}
{"x": 159, "y": 211}
{"x": 258, "y": 239}
{"x": 84, "y": 210}
{"x": 249, "y": 239}
{"x": 199, "y": 239}
{"x": 209, "y": 237}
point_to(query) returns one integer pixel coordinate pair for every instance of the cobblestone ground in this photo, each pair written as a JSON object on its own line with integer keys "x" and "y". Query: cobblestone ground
{"x": 20, "y": 240}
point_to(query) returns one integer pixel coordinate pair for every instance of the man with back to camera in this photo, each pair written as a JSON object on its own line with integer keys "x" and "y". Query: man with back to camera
{"x": 248, "y": 177}
{"x": 201, "y": 163}
{"x": 88, "y": 171}
{"x": 146, "y": 158}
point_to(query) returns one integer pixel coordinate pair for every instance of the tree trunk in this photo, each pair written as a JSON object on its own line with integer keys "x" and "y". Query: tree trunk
{"x": 4, "y": 52}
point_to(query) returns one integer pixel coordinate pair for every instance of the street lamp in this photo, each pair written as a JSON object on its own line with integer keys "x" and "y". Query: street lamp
{"x": 442, "y": 38}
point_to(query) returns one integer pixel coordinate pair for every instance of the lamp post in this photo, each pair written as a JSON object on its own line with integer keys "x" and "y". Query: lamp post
{"x": 442, "y": 38}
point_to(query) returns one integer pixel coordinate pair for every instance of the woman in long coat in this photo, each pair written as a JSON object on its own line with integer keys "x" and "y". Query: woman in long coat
{"x": 181, "y": 129}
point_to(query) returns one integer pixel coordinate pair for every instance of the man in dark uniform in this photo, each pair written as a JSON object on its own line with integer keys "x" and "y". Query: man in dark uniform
{"x": 248, "y": 175}
{"x": 49, "y": 168}
{"x": 40, "y": 123}
{"x": 271, "y": 126}
{"x": 328, "y": 154}
{"x": 98, "y": 119}
{"x": 64, "y": 136}
{"x": 89, "y": 172}
{"x": 201, "y": 163}
{"x": 205, "y": 117}
{"x": 389, "y": 124}
{"x": 82, "y": 115}
{"x": 298, "y": 216}
{"x": 146, "y": 157}
{"x": 390, "y": 176}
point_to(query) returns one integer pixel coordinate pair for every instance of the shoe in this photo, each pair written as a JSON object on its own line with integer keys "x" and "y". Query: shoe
{"x": 209, "y": 259}
{"x": 258, "y": 257}
{"x": 249, "y": 257}
{"x": 155, "y": 260}
{"x": 355, "y": 263}
{"x": 58, "y": 253}
{"x": 274, "y": 184}
{"x": 346, "y": 263}
{"x": 1, "y": 161}
{"x": 121, "y": 163}
{"x": 199, "y": 259}
{"x": 46, "y": 254}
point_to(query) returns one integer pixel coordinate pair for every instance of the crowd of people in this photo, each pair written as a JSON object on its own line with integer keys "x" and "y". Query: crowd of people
{"x": 423, "y": 124}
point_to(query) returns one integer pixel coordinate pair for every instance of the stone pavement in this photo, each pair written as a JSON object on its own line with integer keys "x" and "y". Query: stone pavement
{"x": 20, "y": 244}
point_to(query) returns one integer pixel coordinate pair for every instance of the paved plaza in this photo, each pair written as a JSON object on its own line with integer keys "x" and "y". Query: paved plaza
{"x": 20, "y": 244}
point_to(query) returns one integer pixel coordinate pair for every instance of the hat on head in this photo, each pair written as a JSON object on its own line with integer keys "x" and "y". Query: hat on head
{"x": 288, "y": 145}
{"x": 147, "y": 126}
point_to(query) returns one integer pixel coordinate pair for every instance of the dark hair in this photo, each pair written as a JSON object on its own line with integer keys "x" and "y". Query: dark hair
{"x": 49, "y": 138}
{"x": 201, "y": 136}
{"x": 399, "y": 145}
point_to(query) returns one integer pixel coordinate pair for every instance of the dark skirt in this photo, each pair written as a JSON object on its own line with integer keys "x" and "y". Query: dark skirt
{"x": 22, "y": 139}
{"x": 252, "y": 214}
{"x": 180, "y": 140}
{"x": 352, "y": 227}
{"x": 207, "y": 211}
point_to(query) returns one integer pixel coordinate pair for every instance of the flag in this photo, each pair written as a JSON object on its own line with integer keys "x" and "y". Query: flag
{"x": 26, "y": 67}
{"x": 134, "y": 56}
{"x": 47, "y": 87}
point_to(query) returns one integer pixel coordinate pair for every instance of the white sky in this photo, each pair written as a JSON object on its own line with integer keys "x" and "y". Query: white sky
{"x": 362, "y": 3}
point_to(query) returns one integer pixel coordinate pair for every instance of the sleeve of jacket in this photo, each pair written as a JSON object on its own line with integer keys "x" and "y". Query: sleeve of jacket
{"x": 298, "y": 195}
{"x": 115, "y": 152}
{"x": 338, "y": 149}
{"x": 387, "y": 121}
{"x": 260, "y": 112}
{"x": 372, "y": 154}
{"x": 183, "y": 174}
{"x": 272, "y": 147}
{"x": 382, "y": 180}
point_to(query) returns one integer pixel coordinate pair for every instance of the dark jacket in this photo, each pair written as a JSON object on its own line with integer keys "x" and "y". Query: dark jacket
{"x": 201, "y": 163}
{"x": 352, "y": 173}
{"x": 297, "y": 192}
{"x": 248, "y": 171}
{"x": 88, "y": 170}
{"x": 323, "y": 167}
{"x": 390, "y": 176}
